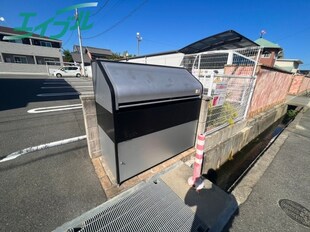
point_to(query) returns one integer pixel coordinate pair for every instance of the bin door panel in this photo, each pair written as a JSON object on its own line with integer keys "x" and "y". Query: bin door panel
{"x": 142, "y": 153}
{"x": 108, "y": 151}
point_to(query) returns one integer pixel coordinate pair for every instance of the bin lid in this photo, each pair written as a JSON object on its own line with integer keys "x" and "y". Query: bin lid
{"x": 141, "y": 82}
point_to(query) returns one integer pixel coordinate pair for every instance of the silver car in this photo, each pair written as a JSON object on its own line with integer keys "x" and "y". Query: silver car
{"x": 68, "y": 71}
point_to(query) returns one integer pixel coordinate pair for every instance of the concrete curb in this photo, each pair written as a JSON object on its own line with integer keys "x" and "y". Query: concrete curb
{"x": 243, "y": 190}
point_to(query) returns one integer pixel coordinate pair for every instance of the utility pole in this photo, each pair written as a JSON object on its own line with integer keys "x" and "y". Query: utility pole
{"x": 139, "y": 38}
{"x": 80, "y": 41}
{"x": 262, "y": 33}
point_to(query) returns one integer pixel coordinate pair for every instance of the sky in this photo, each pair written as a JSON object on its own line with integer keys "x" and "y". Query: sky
{"x": 167, "y": 25}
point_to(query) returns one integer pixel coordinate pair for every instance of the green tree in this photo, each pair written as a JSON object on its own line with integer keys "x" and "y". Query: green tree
{"x": 128, "y": 55}
{"x": 67, "y": 56}
{"x": 120, "y": 56}
{"x": 115, "y": 56}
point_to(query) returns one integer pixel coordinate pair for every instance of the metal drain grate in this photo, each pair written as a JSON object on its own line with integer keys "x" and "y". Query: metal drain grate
{"x": 296, "y": 211}
{"x": 153, "y": 208}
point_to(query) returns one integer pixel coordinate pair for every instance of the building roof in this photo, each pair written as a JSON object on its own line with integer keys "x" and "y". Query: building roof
{"x": 12, "y": 31}
{"x": 223, "y": 41}
{"x": 152, "y": 54}
{"x": 93, "y": 50}
{"x": 290, "y": 60}
{"x": 266, "y": 43}
{"x": 76, "y": 56}
{"x": 100, "y": 51}
{"x": 76, "y": 48}
{"x": 304, "y": 72}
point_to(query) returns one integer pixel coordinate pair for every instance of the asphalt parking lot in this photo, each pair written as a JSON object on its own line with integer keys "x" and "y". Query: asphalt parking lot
{"x": 43, "y": 189}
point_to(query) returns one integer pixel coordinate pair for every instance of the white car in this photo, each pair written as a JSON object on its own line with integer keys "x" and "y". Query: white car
{"x": 67, "y": 71}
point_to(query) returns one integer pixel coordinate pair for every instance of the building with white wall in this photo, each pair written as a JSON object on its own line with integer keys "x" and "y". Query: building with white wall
{"x": 291, "y": 65}
{"x": 170, "y": 58}
{"x": 226, "y": 40}
{"x": 29, "y": 54}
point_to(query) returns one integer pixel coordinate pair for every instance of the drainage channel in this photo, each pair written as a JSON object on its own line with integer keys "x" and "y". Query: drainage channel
{"x": 232, "y": 171}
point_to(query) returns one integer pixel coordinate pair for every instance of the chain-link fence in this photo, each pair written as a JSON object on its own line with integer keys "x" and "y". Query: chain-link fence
{"x": 228, "y": 77}
{"x": 206, "y": 63}
{"x": 230, "y": 101}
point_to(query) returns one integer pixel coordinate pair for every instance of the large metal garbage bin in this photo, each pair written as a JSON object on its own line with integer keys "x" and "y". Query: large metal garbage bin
{"x": 146, "y": 114}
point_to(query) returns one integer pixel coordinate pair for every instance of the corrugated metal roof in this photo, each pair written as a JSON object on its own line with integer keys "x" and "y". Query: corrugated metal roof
{"x": 266, "y": 43}
{"x": 223, "y": 41}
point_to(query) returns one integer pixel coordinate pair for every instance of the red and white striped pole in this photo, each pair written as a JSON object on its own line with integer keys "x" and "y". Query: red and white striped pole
{"x": 198, "y": 160}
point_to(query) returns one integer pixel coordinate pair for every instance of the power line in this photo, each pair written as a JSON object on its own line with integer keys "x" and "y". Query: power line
{"x": 119, "y": 22}
{"x": 100, "y": 9}
{"x": 69, "y": 38}
{"x": 108, "y": 9}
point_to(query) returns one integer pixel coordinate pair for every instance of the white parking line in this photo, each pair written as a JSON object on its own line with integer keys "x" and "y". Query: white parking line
{"x": 65, "y": 87}
{"x": 57, "y": 94}
{"x": 87, "y": 92}
{"x": 57, "y": 87}
{"x": 25, "y": 151}
{"x": 56, "y": 83}
{"x": 54, "y": 108}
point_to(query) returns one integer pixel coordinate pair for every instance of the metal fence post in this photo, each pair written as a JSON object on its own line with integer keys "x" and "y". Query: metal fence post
{"x": 203, "y": 115}
{"x": 230, "y": 58}
{"x": 253, "y": 84}
{"x": 211, "y": 84}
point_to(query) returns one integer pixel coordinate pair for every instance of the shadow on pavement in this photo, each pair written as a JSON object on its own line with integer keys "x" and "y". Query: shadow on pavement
{"x": 207, "y": 209}
{"x": 19, "y": 92}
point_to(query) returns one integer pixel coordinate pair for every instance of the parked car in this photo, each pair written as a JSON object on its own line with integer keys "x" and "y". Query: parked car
{"x": 67, "y": 71}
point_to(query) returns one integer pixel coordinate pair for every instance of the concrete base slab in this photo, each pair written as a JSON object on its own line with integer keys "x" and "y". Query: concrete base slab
{"x": 211, "y": 204}
{"x": 298, "y": 101}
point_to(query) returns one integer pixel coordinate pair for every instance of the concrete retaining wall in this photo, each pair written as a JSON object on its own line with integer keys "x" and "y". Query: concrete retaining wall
{"x": 296, "y": 83}
{"x": 300, "y": 84}
{"x": 271, "y": 89}
{"x": 223, "y": 144}
{"x": 238, "y": 70}
{"x": 305, "y": 85}
{"x": 272, "y": 86}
